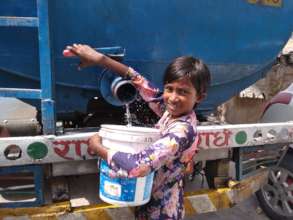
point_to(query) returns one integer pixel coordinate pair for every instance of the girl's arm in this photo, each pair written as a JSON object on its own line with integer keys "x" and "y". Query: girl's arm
{"x": 166, "y": 149}
{"x": 95, "y": 146}
{"x": 149, "y": 93}
{"x": 90, "y": 57}
{"x": 174, "y": 145}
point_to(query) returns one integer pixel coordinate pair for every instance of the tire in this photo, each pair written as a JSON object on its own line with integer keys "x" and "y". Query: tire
{"x": 276, "y": 196}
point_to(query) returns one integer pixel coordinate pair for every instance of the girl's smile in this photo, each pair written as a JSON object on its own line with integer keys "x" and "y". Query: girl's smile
{"x": 180, "y": 97}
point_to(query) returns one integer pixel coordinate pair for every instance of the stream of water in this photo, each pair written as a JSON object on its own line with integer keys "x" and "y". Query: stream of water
{"x": 128, "y": 116}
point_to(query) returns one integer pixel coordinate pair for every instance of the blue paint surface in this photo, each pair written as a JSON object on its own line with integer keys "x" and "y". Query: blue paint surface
{"x": 119, "y": 189}
{"x": 148, "y": 186}
{"x": 236, "y": 39}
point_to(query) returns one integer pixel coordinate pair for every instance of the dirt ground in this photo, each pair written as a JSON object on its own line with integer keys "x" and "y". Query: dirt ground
{"x": 247, "y": 209}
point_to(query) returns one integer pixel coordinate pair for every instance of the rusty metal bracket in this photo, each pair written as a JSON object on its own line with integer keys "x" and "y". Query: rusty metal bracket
{"x": 272, "y": 3}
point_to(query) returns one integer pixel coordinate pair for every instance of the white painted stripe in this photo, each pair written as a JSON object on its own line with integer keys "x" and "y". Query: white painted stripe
{"x": 139, "y": 188}
{"x": 230, "y": 195}
{"x": 202, "y": 203}
{"x": 71, "y": 216}
{"x": 120, "y": 213}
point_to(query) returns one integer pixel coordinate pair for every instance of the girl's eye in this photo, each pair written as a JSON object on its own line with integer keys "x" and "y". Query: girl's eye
{"x": 168, "y": 89}
{"x": 183, "y": 92}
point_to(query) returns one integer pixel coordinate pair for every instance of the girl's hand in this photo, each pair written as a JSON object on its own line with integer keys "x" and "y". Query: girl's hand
{"x": 88, "y": 56}
{"x": 189, "y": 168}
{"x": 95, "y": 143}
{"x": 95, "y": 146}
{"x": 188, "y": 155}
{"x": 141, "y": 171}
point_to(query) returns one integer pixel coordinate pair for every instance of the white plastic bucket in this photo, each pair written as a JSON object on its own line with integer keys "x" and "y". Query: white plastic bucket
{"x": 126, "y": 191}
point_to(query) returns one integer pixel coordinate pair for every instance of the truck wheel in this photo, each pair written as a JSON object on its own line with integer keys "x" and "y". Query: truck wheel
{"x": 276, "y": 196}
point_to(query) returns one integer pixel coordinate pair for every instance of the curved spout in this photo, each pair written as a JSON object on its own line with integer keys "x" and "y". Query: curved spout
{"x": 123, "y": 90}
{"x": 116, "y": 90}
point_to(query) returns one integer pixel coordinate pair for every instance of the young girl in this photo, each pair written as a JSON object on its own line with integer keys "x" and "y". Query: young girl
{"x": 185, "y": 83}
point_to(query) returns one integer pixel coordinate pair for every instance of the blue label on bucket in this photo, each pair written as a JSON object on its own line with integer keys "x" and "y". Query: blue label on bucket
{"x": 120, "y": 189}
{"x": 148, "y": 186}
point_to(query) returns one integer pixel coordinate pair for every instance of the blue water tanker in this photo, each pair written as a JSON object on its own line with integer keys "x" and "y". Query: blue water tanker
{"x": 238, "y": 39}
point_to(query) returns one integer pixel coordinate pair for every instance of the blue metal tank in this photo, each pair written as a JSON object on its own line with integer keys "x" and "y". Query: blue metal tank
{"x": 238, "y": 39}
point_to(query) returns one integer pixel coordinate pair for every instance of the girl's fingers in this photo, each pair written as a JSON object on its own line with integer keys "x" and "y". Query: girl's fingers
{"x": 189, "y": 168}
{"x": 68, "y": 53}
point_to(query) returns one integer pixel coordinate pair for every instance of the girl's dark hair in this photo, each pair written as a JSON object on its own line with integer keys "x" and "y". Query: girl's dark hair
{"x": 192, "y": 68}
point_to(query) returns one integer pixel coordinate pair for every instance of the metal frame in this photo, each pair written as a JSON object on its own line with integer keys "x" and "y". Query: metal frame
{"x": 46, "y": 93}
{"x": 46, "y": 70}
{"x": 262, "y": 156}
{"x": 38, "y": 185}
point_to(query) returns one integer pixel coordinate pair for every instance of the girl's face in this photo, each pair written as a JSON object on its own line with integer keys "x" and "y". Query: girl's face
{"x": 180, "y": 97}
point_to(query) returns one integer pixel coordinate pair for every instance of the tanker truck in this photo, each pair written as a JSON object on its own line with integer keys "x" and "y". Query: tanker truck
{"x": 49, "y": 108}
